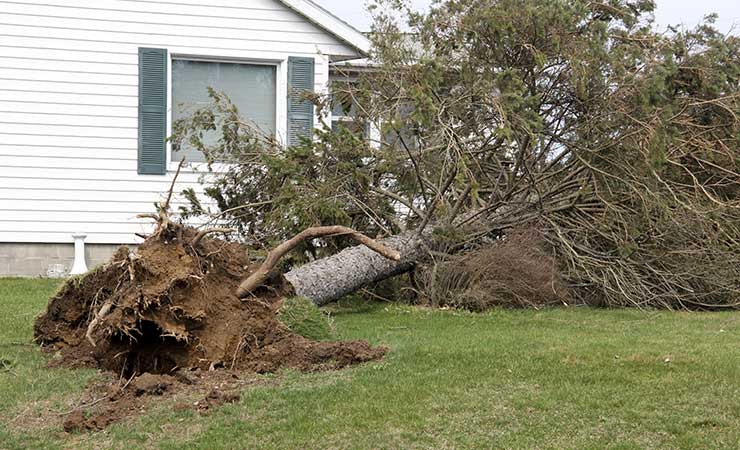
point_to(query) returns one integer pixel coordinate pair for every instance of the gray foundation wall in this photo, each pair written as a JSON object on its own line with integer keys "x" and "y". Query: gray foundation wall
{"x": 34, "y": 260}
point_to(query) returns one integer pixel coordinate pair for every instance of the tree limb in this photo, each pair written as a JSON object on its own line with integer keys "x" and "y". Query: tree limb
{"x": 400, "y": 200}
{"x": 257, "y": 278}
{"x": 162, "y": 218}
{"x": 436, "y": 201}
{"x": 166, "y": 204}
{"x": 203, "y": 233}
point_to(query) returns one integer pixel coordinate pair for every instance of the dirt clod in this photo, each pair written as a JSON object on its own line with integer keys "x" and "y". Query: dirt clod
{"x": 216, "y": 398}
{"x": 169, "y": 313}
{"x": 77, "y": 421}
{"x": 152, "y": 384}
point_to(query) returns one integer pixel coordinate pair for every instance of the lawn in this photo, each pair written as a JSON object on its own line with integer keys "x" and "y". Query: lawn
{"x": 562, "y": 378}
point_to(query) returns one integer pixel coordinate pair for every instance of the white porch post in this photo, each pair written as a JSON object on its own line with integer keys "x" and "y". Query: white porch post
{"x": 79, "y": 267}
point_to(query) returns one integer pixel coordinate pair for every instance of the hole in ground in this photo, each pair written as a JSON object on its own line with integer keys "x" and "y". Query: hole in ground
{"x": 150, "y": 352}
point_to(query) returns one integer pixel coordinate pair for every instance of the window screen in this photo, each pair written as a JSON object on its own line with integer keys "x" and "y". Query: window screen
{"x": 251, "y": 87}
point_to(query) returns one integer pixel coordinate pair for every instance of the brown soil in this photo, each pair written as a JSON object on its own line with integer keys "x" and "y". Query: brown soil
{"x": 172, "y": 310}
{"x": 109, "y": 401}
{"x": 217, "y": 398}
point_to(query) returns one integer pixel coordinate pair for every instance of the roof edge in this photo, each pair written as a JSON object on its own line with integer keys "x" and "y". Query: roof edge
{"x": 331, "y": 24}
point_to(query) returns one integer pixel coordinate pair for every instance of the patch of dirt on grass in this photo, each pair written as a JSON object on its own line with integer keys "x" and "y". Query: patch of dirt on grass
{"x": 37, "y": 415}
{"x": 109, "y": 401}
{"x": 155, "y": 315}
{"x": 216, "y": 398}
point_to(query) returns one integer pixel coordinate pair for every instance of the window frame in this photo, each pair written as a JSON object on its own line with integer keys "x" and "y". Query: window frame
{"x": 281, "y": 83}
{"x": 372, "y": 130}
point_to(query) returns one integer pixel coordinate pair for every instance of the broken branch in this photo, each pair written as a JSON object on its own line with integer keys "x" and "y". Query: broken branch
{"x": 162, "y": 218}
{"x": 256, "y": 279}
{"x": 204, "y": 233}
{"x": 166, "y": 205}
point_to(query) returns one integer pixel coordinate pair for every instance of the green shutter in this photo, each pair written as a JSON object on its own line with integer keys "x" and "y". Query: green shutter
{"x": 152, "y": 111}
{"x": 300, "y": 111}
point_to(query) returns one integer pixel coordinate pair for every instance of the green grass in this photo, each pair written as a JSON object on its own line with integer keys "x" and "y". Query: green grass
{"x": 565, "y": 378}
{"x": 304, "y": 318}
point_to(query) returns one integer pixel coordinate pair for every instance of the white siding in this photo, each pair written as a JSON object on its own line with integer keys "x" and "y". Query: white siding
{"x": 68, "y": 102}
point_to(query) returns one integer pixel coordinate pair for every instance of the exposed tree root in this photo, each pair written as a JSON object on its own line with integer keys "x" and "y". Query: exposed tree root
{"x": 167, "y": 307}
{"x": 102, "y": 313}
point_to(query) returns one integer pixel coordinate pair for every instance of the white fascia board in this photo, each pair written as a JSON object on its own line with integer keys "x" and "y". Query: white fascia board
{"x": 331, "y": 24}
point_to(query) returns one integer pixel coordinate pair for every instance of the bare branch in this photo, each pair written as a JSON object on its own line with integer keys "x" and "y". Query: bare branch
{"x": 436, "y": 201}
{"x": 166, "y": 205}
{"x": 203, "y": 233}
{"x": 257, "y": 278}
{"x": 162, "y": 218}
{"x": 460, "y": 201}
{"x": 400, "y": 200}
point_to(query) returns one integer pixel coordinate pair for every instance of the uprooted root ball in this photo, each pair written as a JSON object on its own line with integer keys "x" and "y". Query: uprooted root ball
{"x": 169, "y": 306}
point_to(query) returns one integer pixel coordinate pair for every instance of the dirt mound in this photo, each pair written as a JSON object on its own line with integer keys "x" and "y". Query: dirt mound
{"x": 169, "y": 307}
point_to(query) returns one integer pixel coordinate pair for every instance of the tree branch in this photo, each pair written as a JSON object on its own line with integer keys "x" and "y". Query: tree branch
{"x": 162, "y": 218}
{"x": 436, "y": 201}
{"x": 203, "y": 233}
{"x": 166, "y": 205}
{"x": 400, "y": 200}
{"x": 257, "y": 278}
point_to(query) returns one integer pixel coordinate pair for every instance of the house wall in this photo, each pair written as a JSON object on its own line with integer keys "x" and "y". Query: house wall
{"x": 34, "y": 259}
{"x": 68, "y": 102}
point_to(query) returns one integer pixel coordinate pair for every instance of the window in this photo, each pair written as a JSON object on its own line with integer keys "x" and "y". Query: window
{"x": 344, "y": 114}
{"x": 251, "y": 87}
{"x": 400, "y": 132}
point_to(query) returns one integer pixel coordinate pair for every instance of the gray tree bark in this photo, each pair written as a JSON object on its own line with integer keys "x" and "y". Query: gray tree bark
{"x": 328, "y": 279}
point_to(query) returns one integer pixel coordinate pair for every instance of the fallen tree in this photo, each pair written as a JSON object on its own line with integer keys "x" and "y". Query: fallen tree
{"x": 307, "y": 286}
{"x": 172, "y": 304}
{"x": 619, "y": 142}
{"x": 331, "y": 278}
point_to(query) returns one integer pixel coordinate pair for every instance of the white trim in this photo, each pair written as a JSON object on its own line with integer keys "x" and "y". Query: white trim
{"x": 281, "y": 109}
{"x": 331, "y": 24}
{"x": 168, "y": 128}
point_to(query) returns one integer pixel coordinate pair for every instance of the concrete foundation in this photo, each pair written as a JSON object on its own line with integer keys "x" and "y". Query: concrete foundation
{"x": 34, "y": 260}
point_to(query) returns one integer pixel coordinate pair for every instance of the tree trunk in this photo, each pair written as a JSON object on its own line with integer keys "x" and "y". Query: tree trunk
{"x": 328, "y": 279}
{"x": 258, "y": 277}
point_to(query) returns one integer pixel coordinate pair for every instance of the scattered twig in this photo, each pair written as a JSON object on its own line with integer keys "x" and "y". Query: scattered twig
{"x": 376, "y": 296}
{"x": 84, "y": 405}
{"x": 7, "y": 367}
{"x": 128, "y": 382}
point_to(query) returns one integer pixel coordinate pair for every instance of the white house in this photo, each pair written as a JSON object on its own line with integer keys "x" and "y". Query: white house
{"x": 88, "y": 92}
